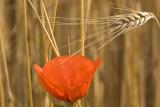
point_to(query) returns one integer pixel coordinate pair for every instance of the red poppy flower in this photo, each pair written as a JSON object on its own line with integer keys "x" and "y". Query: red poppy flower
{"x": 67, "y": 77}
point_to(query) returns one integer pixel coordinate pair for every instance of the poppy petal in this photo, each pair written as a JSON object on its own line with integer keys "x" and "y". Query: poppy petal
{"x": 51, "y": 88}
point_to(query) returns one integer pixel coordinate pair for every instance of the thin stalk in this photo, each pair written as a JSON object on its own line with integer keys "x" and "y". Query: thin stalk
{"x": 53, "y": 37}
{"x": 89, "y": 2}
{"x": 28, "y": 56}
{"x": 46, "y": 101}
{"x": 69, "y": 46}
{"x": 45, "y": 30}
{"x": 43, "y": 33}
{"x": 76, "y": 104}
{"x": 9, "y": 90}
{"x": 82, "y": 27}
{"x": 79, "y": 103}
{"x": 50, "y": 27}
{"x": 2, "y": 97}
{"x": 55, "y": 12}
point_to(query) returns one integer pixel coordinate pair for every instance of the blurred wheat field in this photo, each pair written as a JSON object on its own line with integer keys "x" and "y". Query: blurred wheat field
{"x": 128, "y": 77}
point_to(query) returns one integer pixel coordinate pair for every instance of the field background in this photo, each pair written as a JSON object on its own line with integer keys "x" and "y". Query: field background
{"x": 128, "y": 77}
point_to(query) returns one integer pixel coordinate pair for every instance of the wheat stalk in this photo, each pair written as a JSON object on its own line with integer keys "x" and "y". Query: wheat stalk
{"x": 50, "y": 27}
{"x": 46, "y": 101}
{"x": 28, "y": 55}
{"x": 2, "y": 96}
{"x": 82, "y": 27}
{"x": 45, "y": 30}
{"x": 6, "y": 72}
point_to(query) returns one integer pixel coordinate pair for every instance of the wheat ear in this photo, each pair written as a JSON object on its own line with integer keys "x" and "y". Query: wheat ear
{"x": 130, "y": 22}
{"x": 122, "y": 24}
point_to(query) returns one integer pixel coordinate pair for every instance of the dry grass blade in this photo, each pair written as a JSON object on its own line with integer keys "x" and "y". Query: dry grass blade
{"x": 2, "y": 97}
{"x": 46, "y": 99}
{"x": 9, "y": 90}
{"x": 28, "y": 56}
{"x": 50, "y": 27}
{"x": 45, "y": 30}
{"x": 76, "y": 21}
{"x": 43, "y": 33}
{"x": 82, "y": 27}
{"x": 69, "y": 46}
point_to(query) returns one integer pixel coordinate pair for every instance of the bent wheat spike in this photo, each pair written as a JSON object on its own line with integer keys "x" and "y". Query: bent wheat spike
{"x": 120, "y": 24}
{"x": 125, "y": 22}
{"x": 132, "y": 20}
{"x": 129, "y": 22}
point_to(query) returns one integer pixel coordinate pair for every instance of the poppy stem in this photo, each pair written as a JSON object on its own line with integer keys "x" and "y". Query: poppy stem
{"x": 74, "y": 104}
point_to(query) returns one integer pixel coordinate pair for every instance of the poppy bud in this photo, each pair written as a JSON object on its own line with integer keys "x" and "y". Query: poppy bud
{"x": 67, "y": 77}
